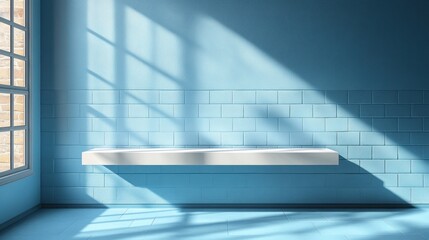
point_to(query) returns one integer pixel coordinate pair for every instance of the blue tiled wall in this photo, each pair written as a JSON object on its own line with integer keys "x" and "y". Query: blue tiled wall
{"x": 198, "y": 74}
{"x": 384, "y": 154}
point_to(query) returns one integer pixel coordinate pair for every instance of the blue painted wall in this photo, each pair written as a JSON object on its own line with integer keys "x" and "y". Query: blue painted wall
{"x": 349, "y": 75}
{"x": 24, "y": 194}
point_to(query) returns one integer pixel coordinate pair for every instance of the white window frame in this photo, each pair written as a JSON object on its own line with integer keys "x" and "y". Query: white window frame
{"x": 17, "y": 173}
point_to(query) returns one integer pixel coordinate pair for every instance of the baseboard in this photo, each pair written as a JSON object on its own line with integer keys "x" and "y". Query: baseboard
{"x": 261, "y": 206}
{"x": 19, "y": 217}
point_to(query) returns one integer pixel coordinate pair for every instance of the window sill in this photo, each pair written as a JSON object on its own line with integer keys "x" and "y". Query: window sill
{"x": 15, "y": 176}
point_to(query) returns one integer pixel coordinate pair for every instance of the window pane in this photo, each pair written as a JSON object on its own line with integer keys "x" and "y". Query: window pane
{"x": 5, "y": 9}
{"x": 18, "y": 73}
{"x": 4, "y": 37}
{"x": 19, "y": 41}
{"x": 4, "y": 151}
{"x": 19, "y": 110}
{"x": 18, "y": 148}
{"x": 4, "y": 70}
{"x": 19, "y": 12}
{"x": 4, "y": 110}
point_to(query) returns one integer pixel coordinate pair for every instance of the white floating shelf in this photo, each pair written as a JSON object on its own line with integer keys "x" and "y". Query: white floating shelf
{"x": 211, "y": 156}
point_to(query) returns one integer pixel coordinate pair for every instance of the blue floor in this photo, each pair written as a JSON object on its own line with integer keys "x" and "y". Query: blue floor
{"x": 172, "y": 223}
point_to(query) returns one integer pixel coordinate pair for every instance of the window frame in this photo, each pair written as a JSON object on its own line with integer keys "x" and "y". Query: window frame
{"x": 26, "y": 170}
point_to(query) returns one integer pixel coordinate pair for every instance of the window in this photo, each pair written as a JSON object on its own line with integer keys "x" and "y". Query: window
{"x": 14, "y": 90}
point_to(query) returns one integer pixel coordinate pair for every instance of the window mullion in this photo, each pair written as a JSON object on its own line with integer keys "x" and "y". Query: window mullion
{"x": 11, "y": 4}
{"x": 12, "y": 150}
{"x": 15, "y": 128}
{"x": 12, "y": 83}
{"x": 11, "y": 54}
{"x": 12, "y": 45}
{"x": 8, "y": 22}
{"x": 12, "y": 11}
{"x": 27, "y": 129}
{"x": 11, "y": 143}
{"x": 12, "y": 89}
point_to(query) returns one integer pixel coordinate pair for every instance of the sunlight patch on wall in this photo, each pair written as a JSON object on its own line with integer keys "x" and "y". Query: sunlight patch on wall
{"x": 224, "y": 56}
{"x": 100, "y": 20}
{"x": 154, "y": 44}
{"x": 101, "y": 58}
